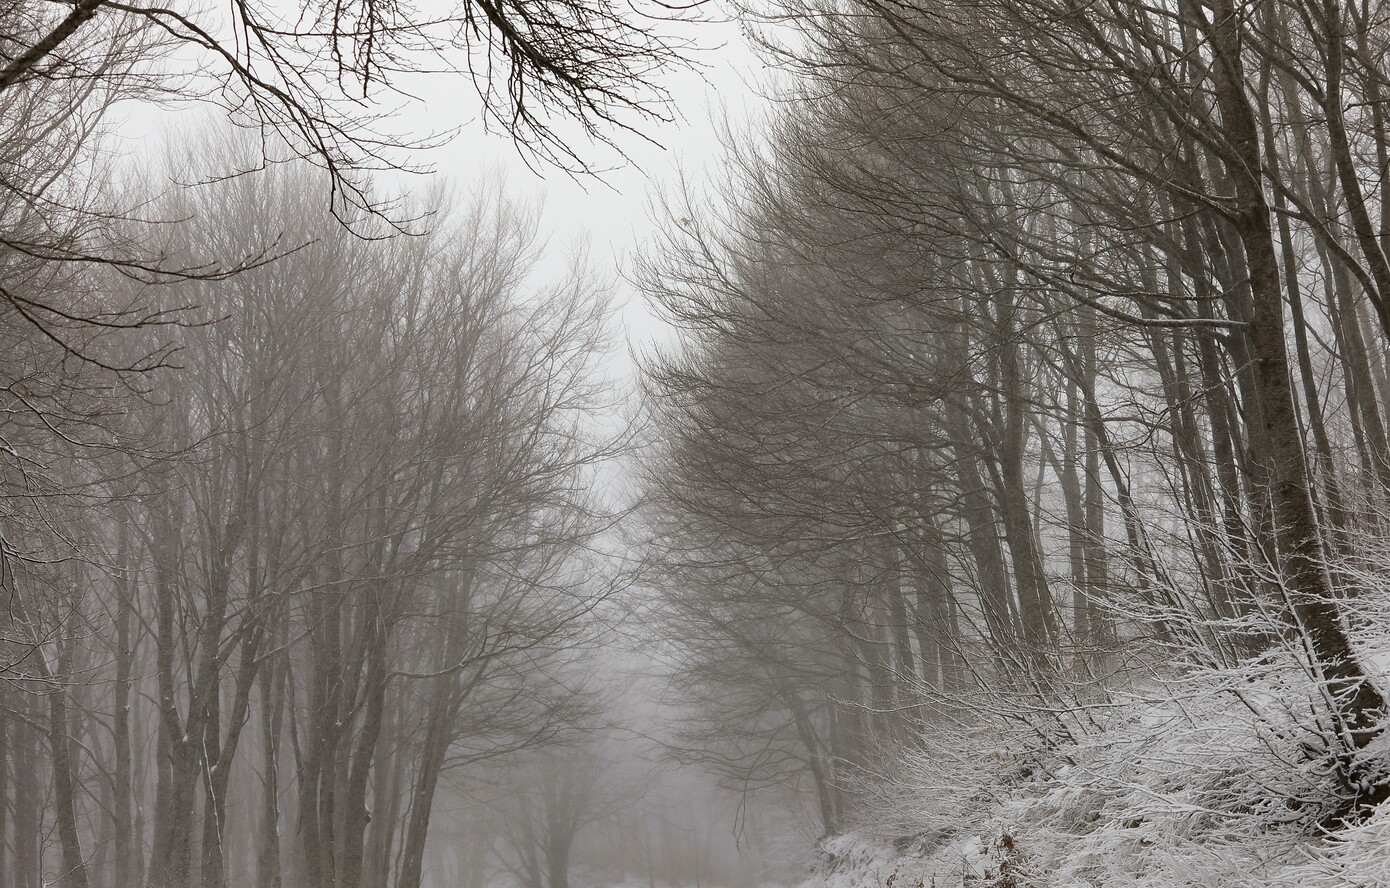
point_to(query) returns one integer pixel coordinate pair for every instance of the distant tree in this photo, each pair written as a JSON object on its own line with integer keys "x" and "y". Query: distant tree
{"x": 550, "y": 797}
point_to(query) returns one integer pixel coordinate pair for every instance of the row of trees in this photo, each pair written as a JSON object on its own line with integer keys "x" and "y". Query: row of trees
{"x": 295, "y": 526}
{"x": 350, "y": 555}
{"x": 1041, "y": 342}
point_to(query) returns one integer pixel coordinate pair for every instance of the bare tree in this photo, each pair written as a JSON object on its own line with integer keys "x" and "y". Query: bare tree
{"x": 1025, "y": 290}
{"x": 359, "y": 562}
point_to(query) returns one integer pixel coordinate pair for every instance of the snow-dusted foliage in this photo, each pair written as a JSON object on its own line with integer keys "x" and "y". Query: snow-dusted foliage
{"x": 1188, "y": 777}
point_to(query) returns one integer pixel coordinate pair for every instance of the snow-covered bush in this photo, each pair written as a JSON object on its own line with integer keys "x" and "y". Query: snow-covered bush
{"x": 1179, "y": 773}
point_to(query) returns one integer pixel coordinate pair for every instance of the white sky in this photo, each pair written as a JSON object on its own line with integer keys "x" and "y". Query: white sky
{"x": 613, "y": 213}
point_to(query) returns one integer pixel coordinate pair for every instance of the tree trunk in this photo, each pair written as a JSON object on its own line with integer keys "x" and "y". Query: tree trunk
{"x": 1355, "y": 701}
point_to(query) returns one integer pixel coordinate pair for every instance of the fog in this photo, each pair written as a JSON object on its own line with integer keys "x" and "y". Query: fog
{"x": 623, "y": 444}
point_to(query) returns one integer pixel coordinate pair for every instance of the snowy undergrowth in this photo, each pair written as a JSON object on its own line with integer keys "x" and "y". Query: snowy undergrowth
{"x": 1213, "y": 778}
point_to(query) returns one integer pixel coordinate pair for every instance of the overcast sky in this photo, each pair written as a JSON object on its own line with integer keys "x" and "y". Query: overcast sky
{"x": 725, "y": 81}
{"x": 612, "y": 212}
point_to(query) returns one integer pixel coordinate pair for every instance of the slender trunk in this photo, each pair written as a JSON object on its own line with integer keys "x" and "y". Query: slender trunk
{"x": 364, "y": 752}
{"x": 272, "y": 696}
{"x": 435, "y": 746}
{"x": 74, "y": 871}
{"x": 1069, "y": 479}
{"x": 820, "y": 765}
{"x": 905, "y": 666}
{"x": 123, "y": 794}
{"x": 30, "y": 805}
{"x": 982, "y": 538}
{"x": 1035, "y": 598}
{"x": 7, "y": 763}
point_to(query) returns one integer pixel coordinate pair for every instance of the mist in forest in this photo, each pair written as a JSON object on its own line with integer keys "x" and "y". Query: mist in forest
{"x": 317, "y": 565}
{"x": 607, "y": 444}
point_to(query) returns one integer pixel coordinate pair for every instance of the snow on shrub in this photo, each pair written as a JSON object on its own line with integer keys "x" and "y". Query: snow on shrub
{"x": 1205, "y": 777}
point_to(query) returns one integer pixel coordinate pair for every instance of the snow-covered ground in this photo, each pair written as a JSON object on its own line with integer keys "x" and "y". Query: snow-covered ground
{"x": 1209, "y": 779}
